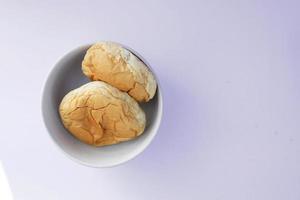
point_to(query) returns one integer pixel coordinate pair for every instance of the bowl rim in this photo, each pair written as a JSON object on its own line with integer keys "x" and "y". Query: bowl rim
{"x": 137, "y": 151}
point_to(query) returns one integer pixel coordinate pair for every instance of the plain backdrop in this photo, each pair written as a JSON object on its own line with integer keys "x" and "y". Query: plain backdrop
{"x": 229, "y": 71}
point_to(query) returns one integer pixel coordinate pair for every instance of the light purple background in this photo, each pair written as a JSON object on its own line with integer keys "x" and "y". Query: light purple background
{"x": 230, "y": 77}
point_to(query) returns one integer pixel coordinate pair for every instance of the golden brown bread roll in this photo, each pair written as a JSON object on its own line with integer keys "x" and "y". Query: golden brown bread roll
{"x": 99, "y": 114}
{"x": 115, "y": 65}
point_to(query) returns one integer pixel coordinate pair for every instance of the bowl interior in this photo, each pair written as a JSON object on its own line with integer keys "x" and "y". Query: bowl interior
{"x": 66, "y": 76}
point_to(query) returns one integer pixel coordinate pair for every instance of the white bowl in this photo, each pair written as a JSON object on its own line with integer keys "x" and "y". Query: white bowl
{"x": 66, "y": 76}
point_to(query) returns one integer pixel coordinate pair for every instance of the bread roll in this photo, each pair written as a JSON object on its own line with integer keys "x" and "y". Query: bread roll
{"x": 115, "y": 65}
{"x": 99, "y": 114}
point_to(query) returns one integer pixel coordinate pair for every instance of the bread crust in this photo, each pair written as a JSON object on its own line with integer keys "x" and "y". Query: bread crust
{"x": 113, "y": 64}
{"x": 99, "y": 114}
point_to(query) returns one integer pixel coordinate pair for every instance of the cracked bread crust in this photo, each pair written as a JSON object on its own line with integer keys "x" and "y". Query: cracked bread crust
{"x": 99, "y": 114}
{"x": 111, "y": 63}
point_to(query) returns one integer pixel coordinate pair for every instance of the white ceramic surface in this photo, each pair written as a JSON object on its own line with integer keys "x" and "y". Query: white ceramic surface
{"x": 5, "y": 191}
{"x": 67, "y": 75}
